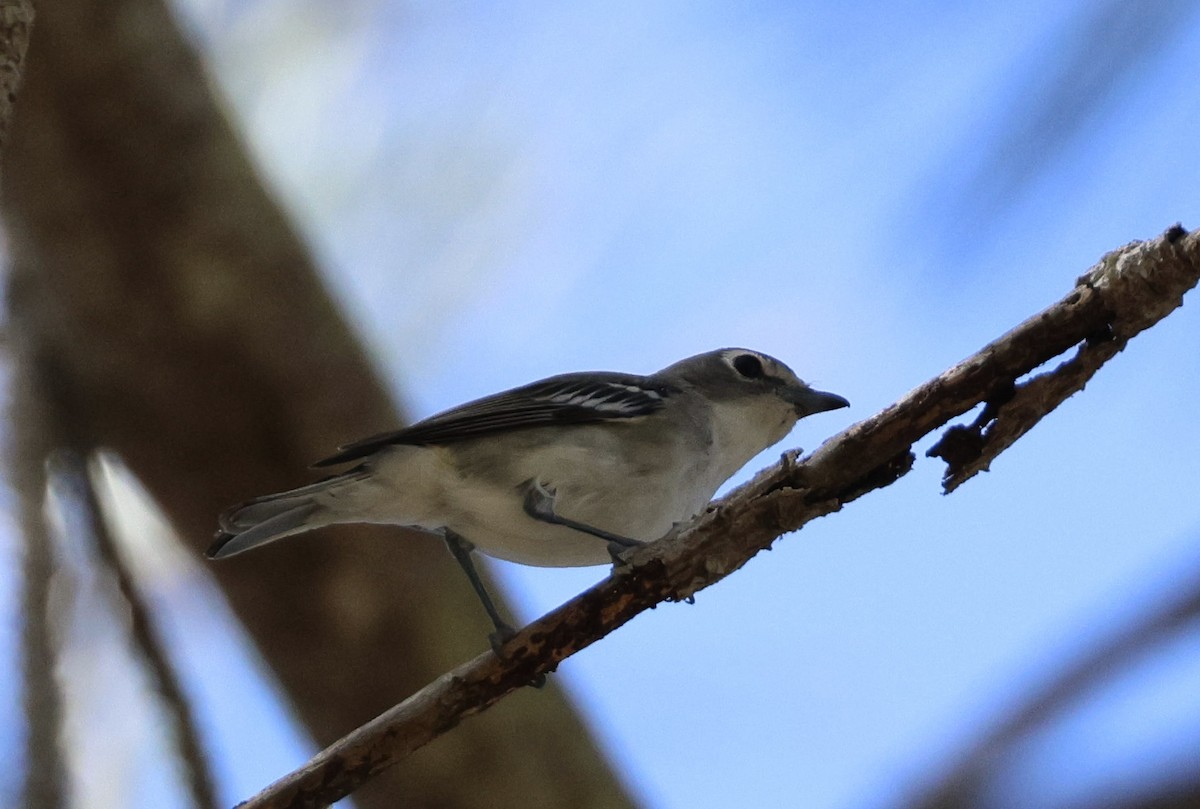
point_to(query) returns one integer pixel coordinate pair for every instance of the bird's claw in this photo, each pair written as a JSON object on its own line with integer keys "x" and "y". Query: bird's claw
{"x": 616, "y": 552}
{"x": 500, "y": 638}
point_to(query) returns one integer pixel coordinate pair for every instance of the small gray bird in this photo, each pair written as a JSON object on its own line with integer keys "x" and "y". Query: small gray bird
{"x": 564, "y": 472}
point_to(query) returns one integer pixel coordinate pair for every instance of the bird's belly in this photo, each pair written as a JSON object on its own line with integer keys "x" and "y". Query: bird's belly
{"x": 479, "y": 494}
{"x": 496, "y": 523}
{"x": 617, "y": 500}
{"x": 535, "y": 543}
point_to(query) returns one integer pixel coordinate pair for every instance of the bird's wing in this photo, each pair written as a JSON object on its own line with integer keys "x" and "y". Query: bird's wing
{"x": 565, "y": 399}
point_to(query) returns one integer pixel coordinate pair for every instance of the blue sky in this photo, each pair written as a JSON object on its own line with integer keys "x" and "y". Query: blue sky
{"x": 869, "y": 192}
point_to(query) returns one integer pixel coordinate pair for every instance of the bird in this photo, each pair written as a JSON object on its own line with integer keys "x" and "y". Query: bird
{"x": 568, "y": 471}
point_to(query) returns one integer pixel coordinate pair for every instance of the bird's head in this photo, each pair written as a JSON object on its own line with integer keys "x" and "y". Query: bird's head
{"x": 756, "y": 398}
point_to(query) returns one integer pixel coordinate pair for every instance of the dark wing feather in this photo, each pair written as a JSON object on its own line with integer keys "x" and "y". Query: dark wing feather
{"x": 566, "y": 399}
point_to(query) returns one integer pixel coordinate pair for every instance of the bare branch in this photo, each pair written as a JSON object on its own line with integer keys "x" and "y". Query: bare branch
{"x": 1129, "y": 290}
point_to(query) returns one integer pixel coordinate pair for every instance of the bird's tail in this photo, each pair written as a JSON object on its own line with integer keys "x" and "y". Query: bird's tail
{"x": 275, "y": 516}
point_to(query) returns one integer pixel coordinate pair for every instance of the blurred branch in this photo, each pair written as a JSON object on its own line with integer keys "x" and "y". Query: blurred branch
{"x": 44, "y": 784}
{"x": 47, "y": 432}
{"x": 44, "y": 780}
{"x": 1129, "y": 290}
{"x": 1050, "y": 101}
{"x": 965, "y": 784}
{"x": 1168, "y": 796}
{"x": 72, "y": 468}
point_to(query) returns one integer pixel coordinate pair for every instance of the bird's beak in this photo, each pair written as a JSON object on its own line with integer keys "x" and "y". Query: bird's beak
{"x": 809, "y": 401}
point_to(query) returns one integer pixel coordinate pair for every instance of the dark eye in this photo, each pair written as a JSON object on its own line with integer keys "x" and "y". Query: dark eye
{"x": 748, "y": 366}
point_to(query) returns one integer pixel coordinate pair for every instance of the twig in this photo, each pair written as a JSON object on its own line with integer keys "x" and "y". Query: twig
{"x": 1136, "y": 306}
{"x": 1128, "y": 291}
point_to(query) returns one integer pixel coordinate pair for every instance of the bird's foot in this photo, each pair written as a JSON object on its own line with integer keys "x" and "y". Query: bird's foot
{"x": 616, "y": 552}
{"x": 500, "y": 638}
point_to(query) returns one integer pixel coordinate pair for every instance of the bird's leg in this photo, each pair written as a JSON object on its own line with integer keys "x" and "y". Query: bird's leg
{"x": 461, "y": 548}
{"x": 539, "y": 504}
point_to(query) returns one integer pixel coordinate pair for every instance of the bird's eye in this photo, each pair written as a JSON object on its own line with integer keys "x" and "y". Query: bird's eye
{"x": 748, "y": 366}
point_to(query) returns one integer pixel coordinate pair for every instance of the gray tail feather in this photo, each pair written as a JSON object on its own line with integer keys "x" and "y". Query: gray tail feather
{"x": 266, "y": 519}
